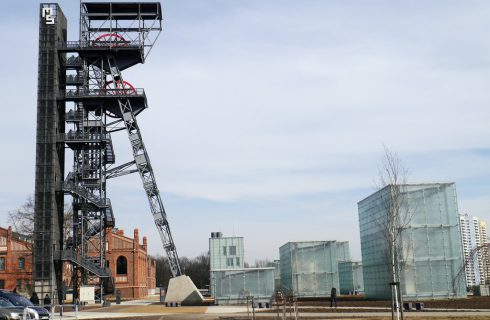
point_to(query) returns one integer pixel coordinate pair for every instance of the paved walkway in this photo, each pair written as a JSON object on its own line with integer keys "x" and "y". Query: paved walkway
{"x": 148, "y": 308}
{"x": 109, "y": 315}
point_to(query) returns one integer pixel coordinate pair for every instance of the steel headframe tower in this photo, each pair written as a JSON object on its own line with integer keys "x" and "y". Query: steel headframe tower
{"x": 113, "y": 37}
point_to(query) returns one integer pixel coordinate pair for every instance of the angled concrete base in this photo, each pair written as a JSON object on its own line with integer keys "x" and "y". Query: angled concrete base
{"x": 182, "y": 291}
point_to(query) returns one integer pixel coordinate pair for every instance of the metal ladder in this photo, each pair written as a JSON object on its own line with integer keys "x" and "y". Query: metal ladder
{"x": 145, "y": 170}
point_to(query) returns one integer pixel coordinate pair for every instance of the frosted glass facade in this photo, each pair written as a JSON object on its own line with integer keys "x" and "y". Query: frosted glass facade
{"x": 226, "y": 253}
{"x": 277, "y": 273}
{"x": 343, "y": 251}
{"x": 350, "y": 277}
{"x": 233, "y": 286}
{"x": 309, "y": 268}
{"x": 431, "y": 254}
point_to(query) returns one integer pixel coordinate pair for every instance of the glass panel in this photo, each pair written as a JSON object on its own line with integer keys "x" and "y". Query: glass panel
{"x": 431, "y": 254}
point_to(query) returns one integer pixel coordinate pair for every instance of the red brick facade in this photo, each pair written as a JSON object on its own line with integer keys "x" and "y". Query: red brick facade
{"x": 134, "y": 281}
{"x": 15, "y": 260}
{"x": 136, "y": 277}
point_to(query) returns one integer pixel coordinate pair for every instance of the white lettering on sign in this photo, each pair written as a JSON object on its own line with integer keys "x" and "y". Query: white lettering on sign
{"x": 46, "y": 13}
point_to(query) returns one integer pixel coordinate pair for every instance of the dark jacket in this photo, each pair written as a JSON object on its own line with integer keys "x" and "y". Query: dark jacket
{"x": 34, "y": 299}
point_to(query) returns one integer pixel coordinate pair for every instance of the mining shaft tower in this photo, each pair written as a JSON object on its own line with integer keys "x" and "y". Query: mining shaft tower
{"x": 82, "y": 100}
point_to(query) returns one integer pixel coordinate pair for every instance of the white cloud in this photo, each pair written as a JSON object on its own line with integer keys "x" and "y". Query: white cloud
{"x": 264, "y": 102}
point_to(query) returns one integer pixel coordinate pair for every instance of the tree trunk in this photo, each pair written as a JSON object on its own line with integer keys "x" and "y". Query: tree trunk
{"x": 394, "y": 281}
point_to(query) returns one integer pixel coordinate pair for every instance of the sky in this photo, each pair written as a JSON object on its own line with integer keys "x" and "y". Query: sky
{"x": 267, "y": 119}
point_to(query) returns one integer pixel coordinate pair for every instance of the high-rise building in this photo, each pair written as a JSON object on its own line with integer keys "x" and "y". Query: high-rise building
{"x": 430, "y": 253}
{"x": 475, "y": 248}
{"x": 485, "y": 251}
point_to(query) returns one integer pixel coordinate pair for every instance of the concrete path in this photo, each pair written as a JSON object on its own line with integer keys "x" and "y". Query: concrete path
{"x": 148, "y": 309}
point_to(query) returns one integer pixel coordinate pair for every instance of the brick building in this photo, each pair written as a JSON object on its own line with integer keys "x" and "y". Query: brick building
{"x": 15, "y": 260}
{"x": 132, "y": 269}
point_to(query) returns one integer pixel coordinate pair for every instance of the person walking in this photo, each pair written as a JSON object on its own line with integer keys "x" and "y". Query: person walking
{"x": 34, "y": 299}
{"x": 47, "y": 302}
{"x": 333, "y": 298}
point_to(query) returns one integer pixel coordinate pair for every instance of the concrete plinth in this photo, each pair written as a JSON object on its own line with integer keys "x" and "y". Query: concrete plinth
{"x": 182, "y": 291}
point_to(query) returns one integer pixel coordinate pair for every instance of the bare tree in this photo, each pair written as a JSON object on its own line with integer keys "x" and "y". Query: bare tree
{"x": 262, "y": 263}
{"x": 22, "y": 219}
{"x": 196, "y": 268}
{"x": 392, "y": 178}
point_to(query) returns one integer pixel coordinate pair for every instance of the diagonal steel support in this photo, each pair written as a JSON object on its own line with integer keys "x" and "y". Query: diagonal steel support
{"x": 142, "y": 161}
{"x": 121, "y": 170}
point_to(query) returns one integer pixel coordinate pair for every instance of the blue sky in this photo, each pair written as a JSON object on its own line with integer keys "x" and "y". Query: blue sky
{"x": 267, "y": 119}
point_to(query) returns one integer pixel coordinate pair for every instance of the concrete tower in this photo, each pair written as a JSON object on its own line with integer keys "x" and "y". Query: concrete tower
{"x": 48, "y": 220}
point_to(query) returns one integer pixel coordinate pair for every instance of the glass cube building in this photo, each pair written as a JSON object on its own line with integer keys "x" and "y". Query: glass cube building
{"x": 350, "y": 277}
{"x": 276, "y": 264}
{"x": 234, "y": 285}
{"x": 343, "y": 251}
{"x": 431, "y": 258}
{"x": 310, "y": 268}
{"x": 231, "y": 282}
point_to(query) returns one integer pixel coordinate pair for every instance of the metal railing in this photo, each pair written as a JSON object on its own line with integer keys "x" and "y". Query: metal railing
{"x": 73, "y": 115}
{"x": 70, "y": 186}
{"x": 74, "y": 61}
{"x": 104, "y": 44}
{"x": 29, "y": 313}
{"x": 116, "y": 93}
{"x": 74, "y": 78}
{"x": 72, "y": 136}
{"x": 63, "y": 314}
{"x": 85, "y": 263}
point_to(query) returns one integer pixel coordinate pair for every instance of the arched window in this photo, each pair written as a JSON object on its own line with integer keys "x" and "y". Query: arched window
{"x": 122, "y": 265}
{"x": 22, "y": 263}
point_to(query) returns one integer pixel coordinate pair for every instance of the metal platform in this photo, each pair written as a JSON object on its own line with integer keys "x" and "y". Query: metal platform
{"x": 126, "y": 53}
{"x": 74, "y": 79}
{"x": 83, "y": 140}
{"x": 108, "y": 99}
{"x": 122, "y": 10}
{"x": 73, "y": 62}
